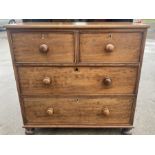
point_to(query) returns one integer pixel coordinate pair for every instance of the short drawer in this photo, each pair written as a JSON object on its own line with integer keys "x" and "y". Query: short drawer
{"x": 113, "y": 47}
{"x": 80, "y": 80}
{"x": 54, "y": 47}
{"x": 79, "y": 111}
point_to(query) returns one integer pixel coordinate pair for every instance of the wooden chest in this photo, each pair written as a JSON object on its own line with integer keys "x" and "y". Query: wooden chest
{"x": 77, "y": 75}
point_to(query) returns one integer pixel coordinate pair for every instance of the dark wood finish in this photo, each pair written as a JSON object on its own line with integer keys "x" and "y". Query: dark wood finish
{"x": 77, "y": 75}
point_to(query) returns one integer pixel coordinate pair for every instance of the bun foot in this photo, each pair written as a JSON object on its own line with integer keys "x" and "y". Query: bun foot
{"x": 126, "y": 131}
{"x": 29, "y": 131}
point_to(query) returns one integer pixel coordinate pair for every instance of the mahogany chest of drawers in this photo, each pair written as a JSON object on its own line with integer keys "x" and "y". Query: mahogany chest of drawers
{"x": 77, "y": 75}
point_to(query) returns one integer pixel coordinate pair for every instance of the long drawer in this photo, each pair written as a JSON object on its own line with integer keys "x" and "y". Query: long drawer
{"x": 79, "y": 111}
{"x": 80, "y": 80}
{"x": 43, "y": 47}
{"x": 113, "y": 47}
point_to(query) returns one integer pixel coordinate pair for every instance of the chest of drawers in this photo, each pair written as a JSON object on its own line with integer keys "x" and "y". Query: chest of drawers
{"x": 77, "y": 75}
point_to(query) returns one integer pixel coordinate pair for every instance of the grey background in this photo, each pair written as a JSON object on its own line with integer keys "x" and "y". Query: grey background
{"x": 10, "y": 115}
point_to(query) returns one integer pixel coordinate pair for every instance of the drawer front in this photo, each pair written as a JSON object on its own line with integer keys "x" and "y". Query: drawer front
{"x": 78, "y": 111}
{"x": 54, "y": 47}
{"x": 81, "y": 80}
{"x": 110, "y": 47}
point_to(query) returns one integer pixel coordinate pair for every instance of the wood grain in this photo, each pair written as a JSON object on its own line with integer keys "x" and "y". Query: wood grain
{"x": 87, "y": 80}
{"x": 26, "y": 47}
{"x": 126, "y": 47}
{"x": 78, "y": 111}
{"x": 71, "y": 75}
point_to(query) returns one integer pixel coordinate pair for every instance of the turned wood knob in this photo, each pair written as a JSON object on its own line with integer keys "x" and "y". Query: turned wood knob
{"x": 109, "y": 47}
{"x": 50, "y": 111}
{"x": 46, "y": 80}
{"x": 43, "y": 48}
{"x": 107, "y": 81}
{"x": 106, "y": 112}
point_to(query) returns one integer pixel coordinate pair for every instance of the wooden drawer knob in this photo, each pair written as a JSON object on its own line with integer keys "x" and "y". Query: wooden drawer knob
{"x": 50, "y": 111}
{"x": 46, "y": 80}
{"x": 43, "y": 48}
{"x": 106, "y": 112}
{"x": 109, "y": 47}
{"x": 107, "y": 81}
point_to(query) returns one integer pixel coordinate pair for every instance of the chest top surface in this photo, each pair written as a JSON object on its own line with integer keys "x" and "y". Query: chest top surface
{"x": 81, "y": 25}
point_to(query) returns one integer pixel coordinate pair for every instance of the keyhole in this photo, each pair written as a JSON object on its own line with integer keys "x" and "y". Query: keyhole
{"x": 77, "y": 100}
{"x": 76, "y": 69}
{"x": 110, "y": 36}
